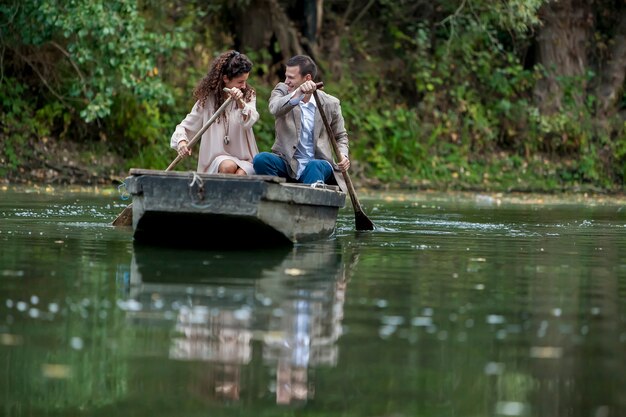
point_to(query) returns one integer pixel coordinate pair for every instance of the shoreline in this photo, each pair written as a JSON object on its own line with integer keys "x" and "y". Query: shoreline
{"x": 484, "y": 198}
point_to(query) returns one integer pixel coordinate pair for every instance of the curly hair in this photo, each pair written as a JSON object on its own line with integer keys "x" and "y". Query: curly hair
{"x": 231, "y": 64}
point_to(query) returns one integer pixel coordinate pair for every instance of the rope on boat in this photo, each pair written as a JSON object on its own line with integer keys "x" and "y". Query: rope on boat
{"x": 319, "y": 184}
{"x": 123, "y": 190}
{"x": 196, "y": 178}
{"x": 198, "y": 195}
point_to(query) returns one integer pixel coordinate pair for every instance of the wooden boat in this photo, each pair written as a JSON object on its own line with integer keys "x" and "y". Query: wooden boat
{"x": 187, "y": 208}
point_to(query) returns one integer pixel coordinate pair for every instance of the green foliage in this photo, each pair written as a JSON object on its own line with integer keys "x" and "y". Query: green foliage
{"x": 139, "y": 132}
{"x": 98, "y": 48}
{"x": 264, "y": 128}
{"x": 21, "y": 123}
{"x": 515, "y": 15}
{"x": 439, "y": 95}
{"x": 474, "y": 107}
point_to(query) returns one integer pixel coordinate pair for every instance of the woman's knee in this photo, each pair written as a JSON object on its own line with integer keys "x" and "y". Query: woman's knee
{"x": 227, "y": 167}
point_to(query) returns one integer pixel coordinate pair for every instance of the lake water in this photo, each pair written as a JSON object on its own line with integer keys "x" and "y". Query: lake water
{"x": 457, "y": 305}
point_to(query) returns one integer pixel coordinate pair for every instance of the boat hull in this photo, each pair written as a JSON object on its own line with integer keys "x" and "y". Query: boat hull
{"x": 178, "y": 208}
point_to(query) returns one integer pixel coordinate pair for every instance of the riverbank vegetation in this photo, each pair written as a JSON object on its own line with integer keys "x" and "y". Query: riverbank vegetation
{"x": 524, "y": 95}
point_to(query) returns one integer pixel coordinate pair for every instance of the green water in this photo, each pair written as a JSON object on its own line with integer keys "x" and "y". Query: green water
{"x": 455, "y": 306}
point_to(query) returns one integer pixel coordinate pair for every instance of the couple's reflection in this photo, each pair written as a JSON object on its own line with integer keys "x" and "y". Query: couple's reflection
{"x": 305, "y": 323}
{"x": 233, "y": 311}
{"x": 220, "y": 336}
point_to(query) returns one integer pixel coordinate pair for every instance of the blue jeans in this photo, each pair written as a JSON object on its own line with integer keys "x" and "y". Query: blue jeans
{"x": 267, "y": 163}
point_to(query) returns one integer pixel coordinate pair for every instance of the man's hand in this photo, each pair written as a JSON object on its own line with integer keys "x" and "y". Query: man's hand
{"x": 308, "y": 87}
{"x": 344, "y": 164}
{"x": 183, "y": 150}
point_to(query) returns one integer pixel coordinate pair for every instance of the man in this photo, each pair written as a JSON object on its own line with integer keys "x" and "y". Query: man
{"x": 302, "y": 150}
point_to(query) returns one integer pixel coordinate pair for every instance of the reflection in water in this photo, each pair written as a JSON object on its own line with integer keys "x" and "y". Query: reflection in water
{"x": 453, "y": 310}
{"x": 217, "y": 336}
{"x": 222, "y": 307}
{"x": 305, "y": 323}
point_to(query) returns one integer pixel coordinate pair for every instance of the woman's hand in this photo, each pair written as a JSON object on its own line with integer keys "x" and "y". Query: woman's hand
{"x": 237, "y": 95}
{"x": 183, "y": 150}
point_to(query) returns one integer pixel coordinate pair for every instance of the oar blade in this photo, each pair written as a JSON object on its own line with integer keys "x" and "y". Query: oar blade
{"x": 125, "y": 218}
{"x": 362, "y": 221}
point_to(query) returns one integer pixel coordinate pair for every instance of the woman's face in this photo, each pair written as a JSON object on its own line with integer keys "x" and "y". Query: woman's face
{"x": 238, "y": 81}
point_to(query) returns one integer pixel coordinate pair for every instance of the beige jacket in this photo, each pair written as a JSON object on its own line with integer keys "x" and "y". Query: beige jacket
{"x": 288, "y": 127}
{"x": 241, "y": 147}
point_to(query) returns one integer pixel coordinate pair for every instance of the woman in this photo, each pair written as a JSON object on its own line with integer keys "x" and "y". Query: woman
{"x": 228, "y": 145}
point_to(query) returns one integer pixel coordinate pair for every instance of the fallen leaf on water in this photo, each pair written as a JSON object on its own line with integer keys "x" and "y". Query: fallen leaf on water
{"x": 294, "y": 272}
{"x": 8, "y": 339}
{"x": 56, "y": 371}
{"x": 546, "y": 352}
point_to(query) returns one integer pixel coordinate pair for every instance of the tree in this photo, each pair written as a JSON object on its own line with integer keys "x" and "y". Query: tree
{"x": 82, "y": 53}
{"x": 572, "y": 47}
{"x": 562, "y": 51}
{"x": 611, "y": 85}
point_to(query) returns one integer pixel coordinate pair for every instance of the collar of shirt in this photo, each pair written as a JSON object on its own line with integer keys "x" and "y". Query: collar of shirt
{"x": 293, "y": 100}
{"x": 310, "y": 103}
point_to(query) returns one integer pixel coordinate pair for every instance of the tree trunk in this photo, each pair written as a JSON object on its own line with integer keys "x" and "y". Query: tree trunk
{"x": 254, "y": 25}
{"x": 562, "y": 50}
{"x": 265, "y": 21}
{"x": 286, "y": 33}
{"x": 313, "y": 10}
{"x": 612, "y": 77}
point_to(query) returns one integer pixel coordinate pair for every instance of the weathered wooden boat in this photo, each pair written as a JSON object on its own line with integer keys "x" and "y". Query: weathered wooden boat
{"x": 187, "y": 208}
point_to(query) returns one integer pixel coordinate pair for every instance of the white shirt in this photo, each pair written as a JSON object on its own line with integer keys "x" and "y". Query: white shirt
{"x": 306, "y": 147}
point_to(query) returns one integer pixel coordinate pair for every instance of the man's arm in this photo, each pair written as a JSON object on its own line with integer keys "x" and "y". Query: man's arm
{"x": 280, "y": 100}
{"x": 338, "y": 127}
{"x": 341, "y": 136}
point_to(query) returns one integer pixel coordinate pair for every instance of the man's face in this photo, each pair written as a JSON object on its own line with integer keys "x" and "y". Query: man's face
{"x": 293, "y": 78}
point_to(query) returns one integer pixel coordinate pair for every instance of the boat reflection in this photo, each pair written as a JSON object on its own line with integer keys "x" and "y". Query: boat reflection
{"x": 238, "y": 312}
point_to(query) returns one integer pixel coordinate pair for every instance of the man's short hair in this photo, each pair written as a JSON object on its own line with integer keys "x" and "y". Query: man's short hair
{"x": 305, "y": 63}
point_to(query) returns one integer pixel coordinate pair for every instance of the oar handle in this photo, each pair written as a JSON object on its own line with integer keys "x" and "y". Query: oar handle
{"x": 239, "y": 101}
{"x": 198, "y": 135}
{"x": 338, "y": 155}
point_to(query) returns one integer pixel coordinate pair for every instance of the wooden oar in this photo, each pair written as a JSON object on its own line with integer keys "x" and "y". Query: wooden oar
{"x": 361, "y": 220}
{"x": 125, "y": 218}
